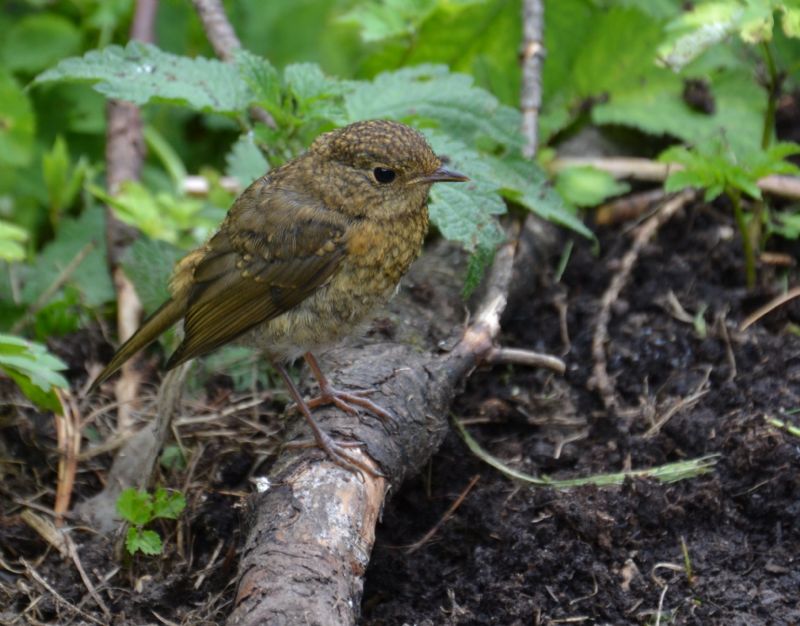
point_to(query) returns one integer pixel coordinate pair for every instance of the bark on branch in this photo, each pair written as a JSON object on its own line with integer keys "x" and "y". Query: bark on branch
{"x": 310, "y": 535}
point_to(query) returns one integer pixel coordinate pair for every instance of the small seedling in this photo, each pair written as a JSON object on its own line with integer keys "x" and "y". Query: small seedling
{"x": 139, "y": 508}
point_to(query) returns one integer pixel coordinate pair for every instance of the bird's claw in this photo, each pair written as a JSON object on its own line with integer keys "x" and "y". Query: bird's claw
{"x": 347, "y": 401}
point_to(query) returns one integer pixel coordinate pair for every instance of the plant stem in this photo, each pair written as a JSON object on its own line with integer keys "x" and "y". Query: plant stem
{"x": 747, "y": 242}
{"x": 773, "y": 88}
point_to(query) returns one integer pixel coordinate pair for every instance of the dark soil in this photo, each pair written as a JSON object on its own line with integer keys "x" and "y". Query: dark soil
{"x": 512, "y": 554}
{"x": 518, "y": 555}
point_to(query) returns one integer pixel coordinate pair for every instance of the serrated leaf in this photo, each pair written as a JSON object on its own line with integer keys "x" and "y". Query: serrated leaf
{"x": 168, "y": 504}
{"x": 465, "y": 213}
{"x": 17, "y": 123}
{"x": 145, "y": 541}
{"x": 261, "y": 78}
{"x": 431, "y": 94}
{"x": 245, "y": 162}
{"x": 142, "y": 73}
{"x": 135, "y": 506}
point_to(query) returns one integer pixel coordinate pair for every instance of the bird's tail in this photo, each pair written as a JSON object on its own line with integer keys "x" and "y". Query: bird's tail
{"x": 166, "y": 315}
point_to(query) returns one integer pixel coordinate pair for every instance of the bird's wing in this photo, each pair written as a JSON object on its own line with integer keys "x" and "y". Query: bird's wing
{"x": 274, "y": 250}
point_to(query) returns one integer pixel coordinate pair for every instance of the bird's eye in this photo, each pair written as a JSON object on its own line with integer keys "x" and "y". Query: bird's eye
{"x": 384, "y": 175}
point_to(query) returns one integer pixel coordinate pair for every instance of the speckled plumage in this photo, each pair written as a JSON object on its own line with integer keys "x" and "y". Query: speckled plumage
{"x": 307, "y": 251}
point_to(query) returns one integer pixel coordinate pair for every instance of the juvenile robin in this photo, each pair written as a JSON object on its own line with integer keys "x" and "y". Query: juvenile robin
{"x": 303, "y": 256}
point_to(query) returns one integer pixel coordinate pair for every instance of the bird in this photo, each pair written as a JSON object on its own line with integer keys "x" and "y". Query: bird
{"x": 302, "y": 258}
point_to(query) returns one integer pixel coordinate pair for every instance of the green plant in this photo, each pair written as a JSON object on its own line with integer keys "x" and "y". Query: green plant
{"x": 717, "y": 169}
{"x": 34, "y": 369}
{"x": 461, "y": 120}
{"x": 140, "y": 508}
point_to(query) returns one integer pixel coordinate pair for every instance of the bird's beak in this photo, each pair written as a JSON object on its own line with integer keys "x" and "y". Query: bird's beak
{"x": 442, "y": 175}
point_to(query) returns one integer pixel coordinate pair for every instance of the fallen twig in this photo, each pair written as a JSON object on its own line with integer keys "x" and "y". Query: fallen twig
{"x": 645, "y": 169}
{"x": 600, "y": 380}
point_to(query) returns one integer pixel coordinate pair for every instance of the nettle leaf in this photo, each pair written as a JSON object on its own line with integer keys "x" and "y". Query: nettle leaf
{"x": 245, "y": 161}
{"x": 465, "y": 212}
{"x": 315, "y": 95}
{"x": 261, "y": 78}
{"x": 523, "y": 182}
{"x": 142, "y": 73}
{"x": 17, "y": 123}
{"x": 431, "y": 94}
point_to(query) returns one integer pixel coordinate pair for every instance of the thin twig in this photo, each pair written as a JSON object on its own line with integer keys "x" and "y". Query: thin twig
{"x": 225, "y": 42}
{"x": 63, "y": 276}
{"x": 533, "y": 52}
{"x": 526, "y": 357}
{"x": 32, "y": 573}
{"x": 69, "y": 445}
{"x": 646, "y": 169}
{"x": 600, "y": 379}
{"x": 769, "y": 307}
{"x": 443, "y": 520}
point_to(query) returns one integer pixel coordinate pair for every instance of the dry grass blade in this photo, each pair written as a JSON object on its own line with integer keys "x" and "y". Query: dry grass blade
{"x": 448, "y": 514}
{"x": 671, "y": 472}
{"x": 769, "y": 307}
{"x": 69, "y": 446}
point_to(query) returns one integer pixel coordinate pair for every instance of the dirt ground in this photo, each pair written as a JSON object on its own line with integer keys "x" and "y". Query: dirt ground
{"x": 688, "y": 382}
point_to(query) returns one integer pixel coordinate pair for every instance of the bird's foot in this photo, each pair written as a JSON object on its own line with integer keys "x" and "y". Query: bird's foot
{"x": 347, "y": 401}
{"x": 337, "y": 452}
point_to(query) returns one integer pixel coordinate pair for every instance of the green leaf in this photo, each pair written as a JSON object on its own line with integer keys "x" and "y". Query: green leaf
{"x": 433, "y": 95}
{"x": 389, "y": 18}
{"x": 11, "y": 239}
{"x": 245, "y": 162}
{"x": 656, "y": 106}
{"x": 39, "y": 40}
{"x": 172, "y": 458}
{"x": 261, "y": 79}
{"x": 603, "y": 66}
{"x": 34, "y": 369}
{"x": 142, "y": 73}
{"x": 135, "y": 506}
{"x": 785, "y": 224}
{"x": 17, "y": 123}
{"x": 148, "y": 263}
{"x": 168, "y": 505}
{"x": 62, "y": 181}
{"x": 90, "y": 277}
{"x": 160, "y": 215}
{"x": 145, "y": 541}
{"x": 587, "y": 186}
